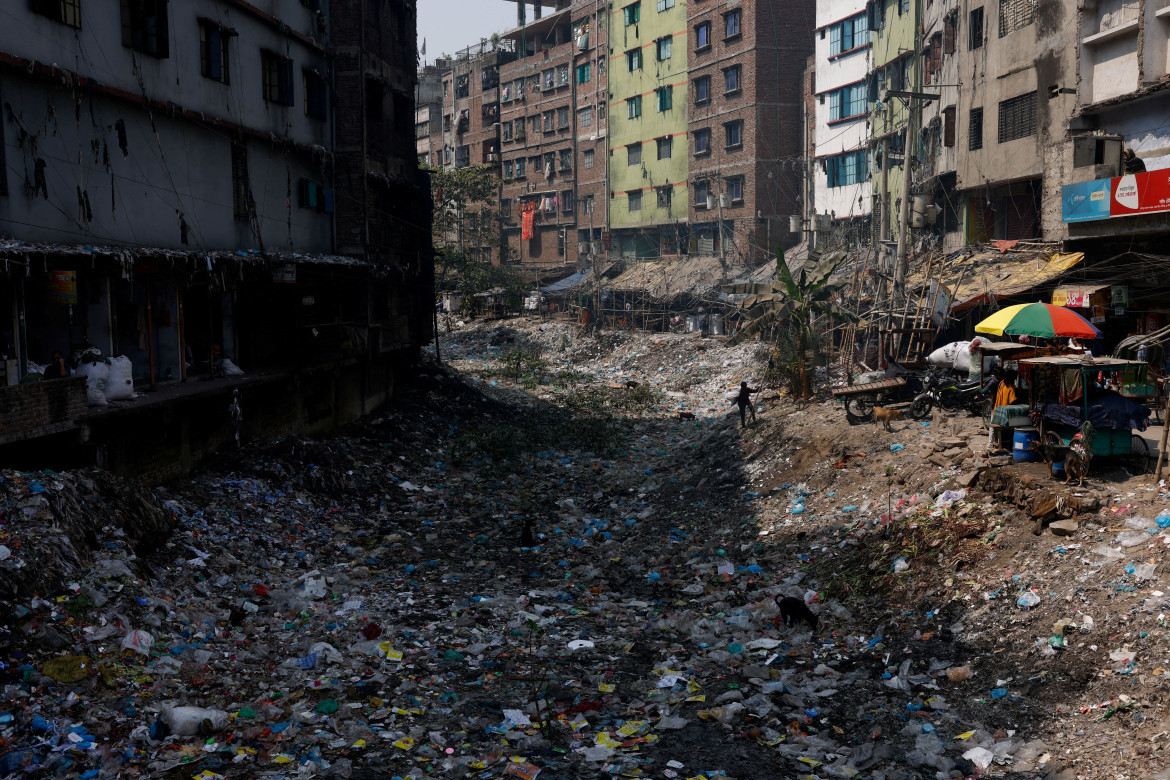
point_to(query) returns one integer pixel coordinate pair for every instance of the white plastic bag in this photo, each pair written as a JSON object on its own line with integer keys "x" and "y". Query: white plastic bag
{"x": 120, "y": 384}
{"x": 96, "y": 374}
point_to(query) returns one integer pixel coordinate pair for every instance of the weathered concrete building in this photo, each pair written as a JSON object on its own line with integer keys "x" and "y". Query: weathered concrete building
{"x": 187, "y": 182}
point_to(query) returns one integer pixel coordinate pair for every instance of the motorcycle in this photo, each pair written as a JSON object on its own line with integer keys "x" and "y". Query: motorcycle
{"x": 950, "y": 395}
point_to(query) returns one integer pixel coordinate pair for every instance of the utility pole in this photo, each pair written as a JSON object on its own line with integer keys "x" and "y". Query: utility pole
{"x": 901, "y": 261}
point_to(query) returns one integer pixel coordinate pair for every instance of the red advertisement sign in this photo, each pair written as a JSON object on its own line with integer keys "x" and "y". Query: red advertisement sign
{"x": 526, "y": 223}
{"x": 1141, "y": 193}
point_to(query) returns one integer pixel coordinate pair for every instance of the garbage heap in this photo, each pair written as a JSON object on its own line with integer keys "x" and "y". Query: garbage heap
{"x": 361, "y": 606}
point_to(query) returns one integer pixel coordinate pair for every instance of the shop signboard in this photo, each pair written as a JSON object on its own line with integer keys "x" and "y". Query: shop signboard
{"x": 1085, "y": 201}
{"x": 1121, "y": 196}
{"x": 1119, "y": 298}
{"x": 62, "y": 287}
{"x": 285, "y": 274}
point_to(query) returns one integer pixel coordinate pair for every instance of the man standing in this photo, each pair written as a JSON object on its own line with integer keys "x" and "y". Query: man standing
{"x": 744, "y": 400}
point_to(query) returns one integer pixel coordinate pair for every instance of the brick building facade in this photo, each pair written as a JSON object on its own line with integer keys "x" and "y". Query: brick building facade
{"x": 745, "y": 124}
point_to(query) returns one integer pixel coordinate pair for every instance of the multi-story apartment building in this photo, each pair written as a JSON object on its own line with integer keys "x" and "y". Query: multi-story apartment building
{"x": 649, "y": 197}
{"x": 221, "y": 163}
{"x": 745, "y": 123}
{"x": 471, "y": 105}
{"x": 841, "y": 176}
{"x": 428, "y": 114}
{"x": 537, "y": 136}
{"x": 591, "y": 84}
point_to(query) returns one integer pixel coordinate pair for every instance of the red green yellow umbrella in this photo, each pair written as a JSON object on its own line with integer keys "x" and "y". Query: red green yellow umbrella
{"x": 1038, "y": 319}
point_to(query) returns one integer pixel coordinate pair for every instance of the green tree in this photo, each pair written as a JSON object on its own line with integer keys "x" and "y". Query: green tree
{"x": 801, "y": 300}
{"x": 466, "y": 227}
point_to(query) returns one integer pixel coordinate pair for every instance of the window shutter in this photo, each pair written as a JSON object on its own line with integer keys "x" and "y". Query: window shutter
{"x": 949, "y": 35}
{"x": 949, "y": 126}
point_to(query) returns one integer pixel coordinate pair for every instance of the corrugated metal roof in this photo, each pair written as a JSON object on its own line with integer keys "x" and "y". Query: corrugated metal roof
{"x": 982, "y": 277}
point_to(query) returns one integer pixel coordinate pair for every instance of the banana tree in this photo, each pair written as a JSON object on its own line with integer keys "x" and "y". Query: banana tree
{"x": 799, "y": 299}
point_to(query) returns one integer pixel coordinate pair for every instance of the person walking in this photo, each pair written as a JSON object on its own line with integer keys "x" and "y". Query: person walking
{"x": 744, "y": 400}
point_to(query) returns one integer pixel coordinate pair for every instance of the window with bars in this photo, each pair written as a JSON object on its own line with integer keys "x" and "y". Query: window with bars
{"x": 509, "y": 167}
{"x": 634, "y": 200}
{"x": 850, "y": 34}
{"x": 634, "y": 154}
{"x": 665, "y": 147}
{"x": 63, "y": 11}
{"x": 567, "y": 201}
{"x": 1015, "y": 15}
{"x": 702, "y": 189}
{"x": 731, "y": 79}
{"x": 144, "y": 27}
{"x": 663, "y": 197}
{"x": 585, "y": 117}
{"x": 702, "y": 87}
{"x": 975, "y": 129}
{"x": 702, "y": 36}
{"x": 565, "y": 159}
{"x": 506, "y": 131}
{"x": 702, "y": 142}
{"x": 735, "y": 189}
{"x": 587, "y": 204}
{"x": 663, "y": 47}
{"x": 213, "y": 51}
{"x": 276, "y": 72}
{"x": 733, "y": 134}
{"x": 849, "y": 168}
{"x": 975, "y": 33}
{"x": 731, "y": 23}
{"x": 848, "y": 101}
{"x": 587, "y": 157}
{"x": 1017, "y": 117}
{"x": 563, "y": 118}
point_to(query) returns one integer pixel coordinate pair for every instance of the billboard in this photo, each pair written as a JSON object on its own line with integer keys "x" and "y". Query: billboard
{"x": 1121, "y": 196}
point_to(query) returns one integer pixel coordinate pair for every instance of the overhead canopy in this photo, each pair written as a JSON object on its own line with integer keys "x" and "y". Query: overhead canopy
{"x": 568, "y": 283}
{"x": 984, "y": 277}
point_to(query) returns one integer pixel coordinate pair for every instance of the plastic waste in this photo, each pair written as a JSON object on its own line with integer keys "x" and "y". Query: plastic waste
{"x": 900, "y": 565}
{"x": 190, "y": 721}
{"x": 1027, "y": 600}
{"x": 138, "y": 641}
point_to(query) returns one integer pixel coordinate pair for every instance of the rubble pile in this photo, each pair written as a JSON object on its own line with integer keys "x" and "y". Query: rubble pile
{"x": 519, "y": 576}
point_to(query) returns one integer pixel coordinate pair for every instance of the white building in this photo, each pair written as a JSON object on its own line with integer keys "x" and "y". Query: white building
{"x": 841, "y": 176}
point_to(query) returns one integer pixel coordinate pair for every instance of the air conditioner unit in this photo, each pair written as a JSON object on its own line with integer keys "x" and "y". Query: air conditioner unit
{"x": 710, "y": 201}
{"x": 583, "y": 248}
{"x": 493, "y": 158}
{"x": 595, "y": 247}
{"x": 794, "y": 223}
{"x": 723, "y": 200}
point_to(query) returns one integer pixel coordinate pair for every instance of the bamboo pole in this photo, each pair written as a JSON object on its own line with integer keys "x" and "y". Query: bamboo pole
{"x": 1162, "y": 446}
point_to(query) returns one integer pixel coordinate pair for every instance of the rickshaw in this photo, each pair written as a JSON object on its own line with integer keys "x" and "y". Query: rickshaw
{"x": 1064, "y": 391}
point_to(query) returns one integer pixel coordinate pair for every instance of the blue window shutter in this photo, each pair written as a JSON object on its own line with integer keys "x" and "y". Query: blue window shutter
{"x": 328, "y": 201}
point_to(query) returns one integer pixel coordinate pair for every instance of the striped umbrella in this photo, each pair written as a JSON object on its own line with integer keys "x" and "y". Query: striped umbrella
{"x": 1038, "y": 319}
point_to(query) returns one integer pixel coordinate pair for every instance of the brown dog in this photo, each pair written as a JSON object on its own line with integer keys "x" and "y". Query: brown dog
{"x": 886, "y": 416}
{"x": 686, "y": 415}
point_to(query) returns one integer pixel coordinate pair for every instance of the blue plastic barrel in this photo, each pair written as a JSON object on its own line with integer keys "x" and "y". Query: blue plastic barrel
{"x": 1022, "y": 451}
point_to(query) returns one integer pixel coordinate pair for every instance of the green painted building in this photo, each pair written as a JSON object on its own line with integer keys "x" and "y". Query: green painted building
{"x": 895, "y": 67}
{"x": 648, "y": 149}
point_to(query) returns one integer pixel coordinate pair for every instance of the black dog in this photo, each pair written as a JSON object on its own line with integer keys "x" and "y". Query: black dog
{"x": 794, "y": 611}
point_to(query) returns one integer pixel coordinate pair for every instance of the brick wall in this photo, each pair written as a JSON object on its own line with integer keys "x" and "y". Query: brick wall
{"x": 770, "y": 53}
{"x": 42, "y": 409}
